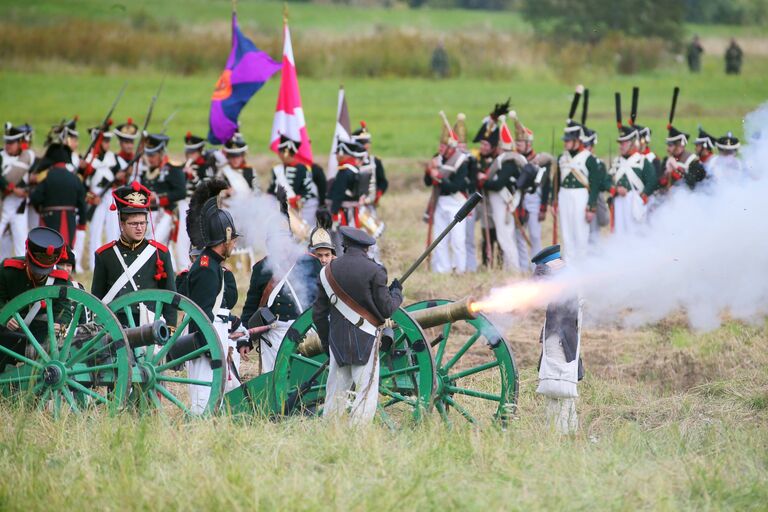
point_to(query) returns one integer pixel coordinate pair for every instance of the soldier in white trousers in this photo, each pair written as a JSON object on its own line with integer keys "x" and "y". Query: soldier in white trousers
{"x": 536, "y": 196}
{"x": 353, "y": 302}
{"x": 447, "y": 174}
{"x": 501, "y": 187}
{"x": 15, "y": 162}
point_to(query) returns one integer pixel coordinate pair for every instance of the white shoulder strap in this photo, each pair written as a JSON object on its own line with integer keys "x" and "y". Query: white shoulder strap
{"x": 128, "y": 272}
{"x": 346, "y": 311}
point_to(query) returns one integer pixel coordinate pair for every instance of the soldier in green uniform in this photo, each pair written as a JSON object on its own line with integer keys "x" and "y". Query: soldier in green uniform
{"x": 133, "y": 262}
{"x": 213, "y": 229}
{"x": 574, "y": 196}
{"x": 634, "y": 179}
{"x": 45, "y": 247}
{"x": 733, "y": 56}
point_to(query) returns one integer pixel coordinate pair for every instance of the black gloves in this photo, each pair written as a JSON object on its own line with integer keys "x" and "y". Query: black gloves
{"x": 395, "y": 285}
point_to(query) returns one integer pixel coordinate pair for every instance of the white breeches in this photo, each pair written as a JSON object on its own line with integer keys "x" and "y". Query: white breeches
{"x": 270, "y": 344}
{"x": 451, "y": 253}
{"x": 506, "y": 235}
{"x": 182, "y": 240}
{"x": 625, "y": 215}
{"x": 471, "y": 250}
{"x": 339, "y": 395}
{"x": 308, "y": 211}
{"x": 561, "y": 415}
{"x": 572, "y": 208}
{"x": 17, "y": 225}
{"x": 532, "y": 204}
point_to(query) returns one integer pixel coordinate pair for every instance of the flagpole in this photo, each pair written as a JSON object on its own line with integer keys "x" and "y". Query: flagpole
{"x": 285, "y": 13}
{"x": 234, "y": 6}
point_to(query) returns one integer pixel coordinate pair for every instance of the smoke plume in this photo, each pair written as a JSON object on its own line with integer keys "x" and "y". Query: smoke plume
{"x": 703, "y": 252}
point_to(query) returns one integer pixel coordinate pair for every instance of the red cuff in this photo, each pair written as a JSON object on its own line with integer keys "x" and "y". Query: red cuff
{"x": 435, "y": 182}
{"x": 81, "y": 227}
{"x": 612, "y": 191}
{"x": 663, "y": 181}
{"x": 379, "y": 193}
{"x": 10, "y": 188}
{"x": 543, "y": 208}
{"x": 163, "y": 201}
{"x": 645, "y": 198}
{"x": 294, "y": 202}
{"x": 676, "y": 175}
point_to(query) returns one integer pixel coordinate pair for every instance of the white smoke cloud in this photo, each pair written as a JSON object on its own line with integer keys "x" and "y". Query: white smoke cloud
{"x": 265, "y": 229}
{"x": 705, "y": 252}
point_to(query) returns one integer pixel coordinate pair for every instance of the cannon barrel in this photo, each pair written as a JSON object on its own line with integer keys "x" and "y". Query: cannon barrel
{"x": 156, "y": 333}
{"x": 185, "y": 345}
{"x": 447, "y": 313}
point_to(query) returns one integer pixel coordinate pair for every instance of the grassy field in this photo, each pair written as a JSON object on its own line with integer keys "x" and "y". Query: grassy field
{"x": 670, "y": 420}
{"x": 402, "y": 113}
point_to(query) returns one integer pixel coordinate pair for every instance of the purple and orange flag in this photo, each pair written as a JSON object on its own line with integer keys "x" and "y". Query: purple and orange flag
{"x": 247, "y": 70}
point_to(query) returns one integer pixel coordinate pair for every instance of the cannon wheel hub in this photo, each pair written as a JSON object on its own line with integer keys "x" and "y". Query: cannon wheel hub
{"x": 54, "y": 374}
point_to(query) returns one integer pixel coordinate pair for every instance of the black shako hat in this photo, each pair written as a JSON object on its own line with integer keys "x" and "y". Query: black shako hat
{"x": 45, "y": 247}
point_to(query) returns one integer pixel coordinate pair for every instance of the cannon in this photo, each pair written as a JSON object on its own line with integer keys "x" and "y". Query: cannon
{"x": 436, "y": 356}
{"x": 444, "y": 357}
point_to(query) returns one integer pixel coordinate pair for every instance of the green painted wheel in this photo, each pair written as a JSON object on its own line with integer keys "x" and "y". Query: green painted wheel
{"x": 57, "y": 360}
{"x": 160, "y": 374}
{"x": 406, "y": 380}
{"x": 476, "y": 372}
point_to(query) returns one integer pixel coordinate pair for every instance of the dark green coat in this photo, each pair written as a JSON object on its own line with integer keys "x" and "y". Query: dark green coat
{"x": 205, "y": 279}
{"x": 107, "y": 270}
{"x": 13, "y": 282}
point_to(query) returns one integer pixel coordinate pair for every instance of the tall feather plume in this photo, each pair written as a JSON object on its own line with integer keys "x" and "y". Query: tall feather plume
{"x": 633, "y": 112}
{"x": 323, "y": 218}
{"x": 575, "y": 102}
{"x": 206, "y": 190}
{"x": 585, "y": 108}
{"x": 617, "y": 97}
{"x": 675, "y": 94}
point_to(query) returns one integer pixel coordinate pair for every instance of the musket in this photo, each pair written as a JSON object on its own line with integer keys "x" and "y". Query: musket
{"x": 104, "y": 126}
{"x": 168, "y": 120}
{"x": 142, "y": 140}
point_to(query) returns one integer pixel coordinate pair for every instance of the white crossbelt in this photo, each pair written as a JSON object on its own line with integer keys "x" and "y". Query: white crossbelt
{"x": 279, "y": 286}
{"x": 128, "y": 272}
{"x": 282, "y": 180}
{"x": 35, "y": 309}
{"x": 343, "y": 308}
{"x": 626, "y": 168}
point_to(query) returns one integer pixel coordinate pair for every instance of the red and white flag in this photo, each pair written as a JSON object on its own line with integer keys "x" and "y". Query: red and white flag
{"x": 341, "y": 132}
{"x": 289, "y": 116}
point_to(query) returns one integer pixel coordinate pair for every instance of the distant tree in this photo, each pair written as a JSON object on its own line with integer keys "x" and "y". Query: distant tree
{"x": 591, "y": 20}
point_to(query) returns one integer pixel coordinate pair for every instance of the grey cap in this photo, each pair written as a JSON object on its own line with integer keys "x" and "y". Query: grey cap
{"x": 354, "y": 236}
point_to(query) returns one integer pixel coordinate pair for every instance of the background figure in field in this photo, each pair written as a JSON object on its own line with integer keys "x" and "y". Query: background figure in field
{"x": 560, "y": 367}
{"x": 693, "y": 55}
{"x": 733, "y": 58}
{"x": 480, "y": 162}
{"x": 168, "y": 186}
{"x": 535, "y": 197}
{"x": 634, "y": 179}
{"x": 99, "y": 179}
{"x": 501, "y": 185}
{"x": 577, "y": 187}
{"x": 296, "y": 179}
{"x": 197, "y": 167}
{"x": 15, "y": 164}
{"x": 447, "y": 175}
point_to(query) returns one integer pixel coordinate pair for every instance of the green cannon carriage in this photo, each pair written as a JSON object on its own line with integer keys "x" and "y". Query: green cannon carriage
{"x": 440, "y": 356}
